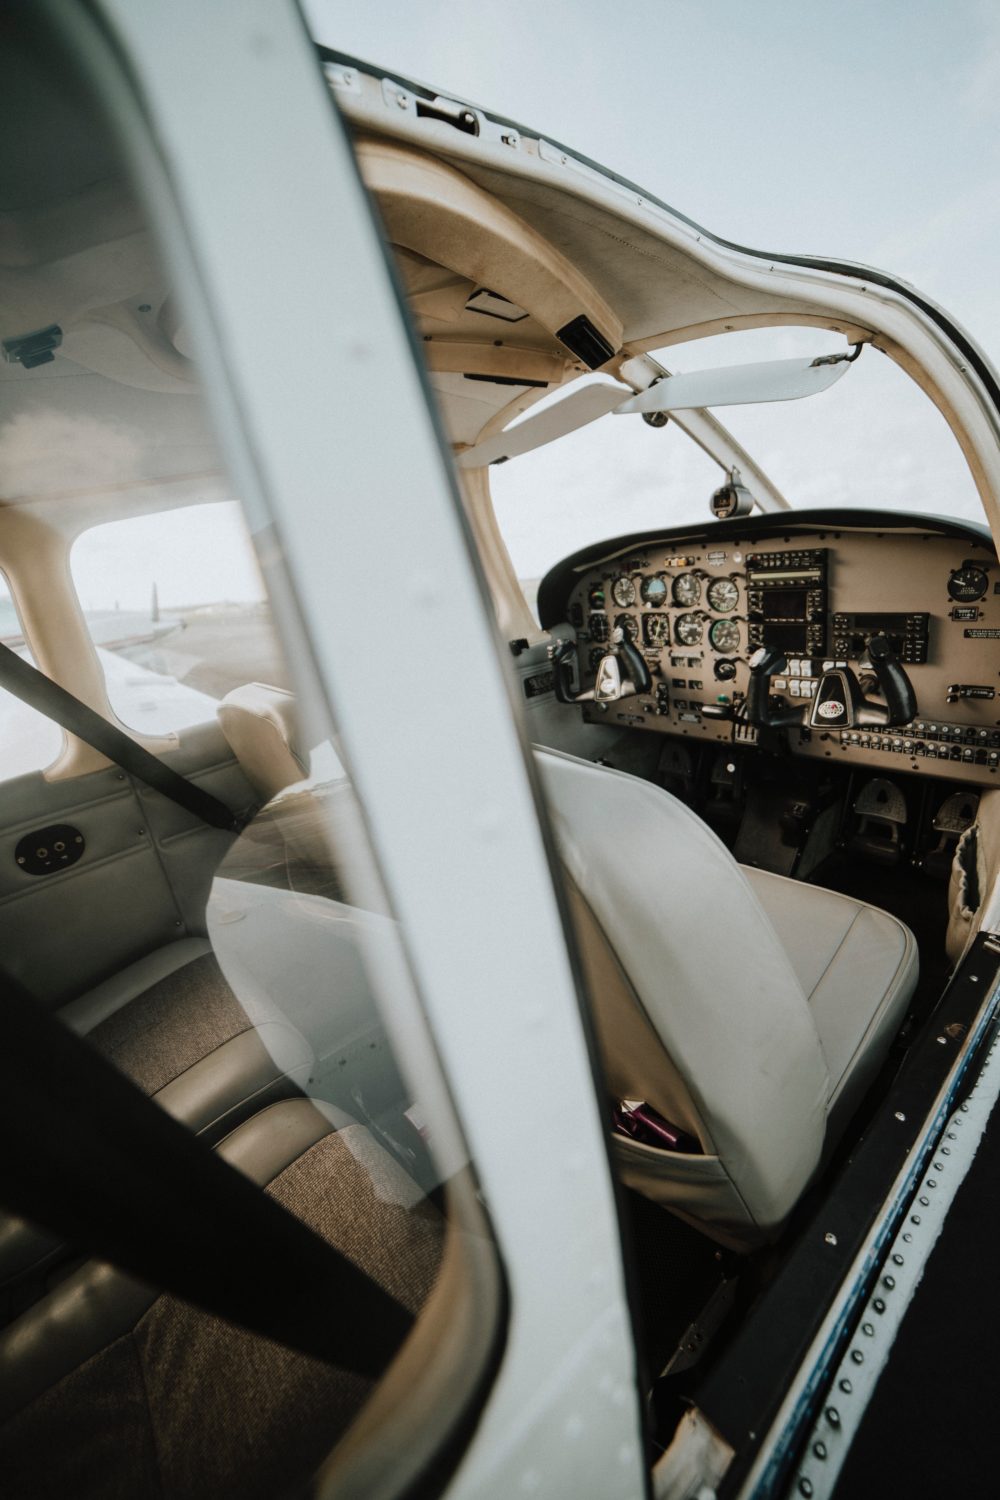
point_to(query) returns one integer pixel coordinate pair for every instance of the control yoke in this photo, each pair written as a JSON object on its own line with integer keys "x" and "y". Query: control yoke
{"x": 610, "y": 684}
{"x": 839, "y": 701}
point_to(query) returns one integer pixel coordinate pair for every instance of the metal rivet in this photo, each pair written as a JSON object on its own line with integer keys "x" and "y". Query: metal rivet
{"x": 900, "y": 1115}
{"x": 805, "y": 1487}
{"x": 907, "y": 1238}
{"x": 857, "y": 1356}
{"x": 952, "y": 1136}
{"x": 897, "y": 1259}
{"x": 868, "y": 1329}
{"x": 914, "y": 1218}
{"x": 924, "y": 1201}
{"x": 945, "y": 1151}
{"x": 943, "y": 1040}
{"x": 932, "y": 1182}
{"x": 889, "y": 1281}
{"x": 879, "y": 1304}
{"x": 830, "y": 1239}
{"x": 819, "y": 1449}
{"x": 973, "y": 978}
{"x": 833, "y": 1416}
{"x": 846, "y": 1386}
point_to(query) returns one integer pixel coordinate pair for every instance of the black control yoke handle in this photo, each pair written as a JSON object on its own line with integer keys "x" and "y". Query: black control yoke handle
{"x": 765, "y": 664}
{"x": 839, "y": 702}
{"x": 894, "y": 685}
{"x": 637, "y": 678}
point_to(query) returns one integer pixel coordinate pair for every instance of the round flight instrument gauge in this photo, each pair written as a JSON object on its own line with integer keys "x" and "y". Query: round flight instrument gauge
{"x": 597, "y": 624}
{"x": 623, "y": 592}
{"x": 595, "y": 596}
{"x": 629, "y": 624}
{"x": 687, "y": 589}
{"x": 723, "y": 595}
{"x": 688, "y": 629}
{"x": 725, "y": 636}
{"x": 656, "y": 630}
{"x": 654, "y": 591}
{"x": 966, "y": 584}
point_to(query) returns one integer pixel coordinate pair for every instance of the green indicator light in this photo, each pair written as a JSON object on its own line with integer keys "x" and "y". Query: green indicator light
{"x": 722, "y": 697}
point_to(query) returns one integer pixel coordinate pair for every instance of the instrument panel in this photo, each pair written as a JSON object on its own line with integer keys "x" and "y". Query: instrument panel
{"x": 699, "y": 605}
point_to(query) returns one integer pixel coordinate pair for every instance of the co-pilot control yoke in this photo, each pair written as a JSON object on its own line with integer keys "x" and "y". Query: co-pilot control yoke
{"x": 839, "y": 701}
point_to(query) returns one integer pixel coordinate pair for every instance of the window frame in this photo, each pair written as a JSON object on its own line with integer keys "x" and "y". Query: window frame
{"x": 202, "y": 87}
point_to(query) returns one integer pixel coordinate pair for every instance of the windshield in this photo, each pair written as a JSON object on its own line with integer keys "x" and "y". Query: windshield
{"x": 873, "y": 441}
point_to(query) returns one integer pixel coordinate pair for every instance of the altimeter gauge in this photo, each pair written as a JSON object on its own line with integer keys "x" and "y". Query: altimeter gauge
{"x": 688, "y": 629}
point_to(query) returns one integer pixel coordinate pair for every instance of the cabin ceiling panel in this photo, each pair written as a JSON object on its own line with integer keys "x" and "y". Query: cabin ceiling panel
{"x": 652, "y": 285}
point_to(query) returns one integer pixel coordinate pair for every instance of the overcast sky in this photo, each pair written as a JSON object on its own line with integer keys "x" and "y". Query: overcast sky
{"x": 865, "y": 131}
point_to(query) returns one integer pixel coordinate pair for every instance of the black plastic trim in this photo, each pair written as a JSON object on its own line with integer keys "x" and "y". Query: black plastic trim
{"x": 585, "y": 341}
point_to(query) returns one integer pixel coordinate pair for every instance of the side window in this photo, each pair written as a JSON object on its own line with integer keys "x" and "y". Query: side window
{"x": 242, "y": 1038}
{"x": 177, "y": 610}
{"x": 28, "y": 740}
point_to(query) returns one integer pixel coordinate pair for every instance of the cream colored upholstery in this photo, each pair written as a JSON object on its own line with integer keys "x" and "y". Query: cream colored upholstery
{"x": 750, "y": 1010}
{"x": 260, "y": 725}
{"x": 974, "y": 871}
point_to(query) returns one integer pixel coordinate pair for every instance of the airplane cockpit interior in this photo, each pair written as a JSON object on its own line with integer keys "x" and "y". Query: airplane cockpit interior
{"x": 764, "y": 736}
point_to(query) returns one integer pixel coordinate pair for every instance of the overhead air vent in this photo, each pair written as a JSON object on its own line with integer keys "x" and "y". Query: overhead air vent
{"x": 492, "y": 305}
{"x": 33, "y": 349}
{"x": 583, "y": 339}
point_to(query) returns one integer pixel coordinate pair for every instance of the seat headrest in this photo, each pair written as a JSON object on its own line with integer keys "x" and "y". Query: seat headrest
{"x": 260, "y": 724}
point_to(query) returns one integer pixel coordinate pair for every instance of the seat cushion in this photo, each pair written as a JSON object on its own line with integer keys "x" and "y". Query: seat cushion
{"x": 109, "y": 1389}
{"x": 172, "y": 1024}
{"x": 857, "y": 966}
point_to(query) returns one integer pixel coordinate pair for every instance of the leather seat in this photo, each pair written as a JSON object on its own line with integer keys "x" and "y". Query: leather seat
{"x": 109, "y": 1388}
{"x": 260, "y": 725}
{"x": 748, "y": 1010}
{"x": 172, "y": 1024}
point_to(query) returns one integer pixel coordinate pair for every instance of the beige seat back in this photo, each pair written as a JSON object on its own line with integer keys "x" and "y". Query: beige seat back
{"x": 697, "y": 1007}
{"x": 260, "y": 725}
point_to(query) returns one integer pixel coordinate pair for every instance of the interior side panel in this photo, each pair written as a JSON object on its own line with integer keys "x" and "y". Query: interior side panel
{"x": 141, "y": 881}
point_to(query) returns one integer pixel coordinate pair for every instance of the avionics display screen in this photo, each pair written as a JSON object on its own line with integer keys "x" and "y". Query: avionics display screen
{"x": 786, "y": 637}
{"x": 784, "y": 604}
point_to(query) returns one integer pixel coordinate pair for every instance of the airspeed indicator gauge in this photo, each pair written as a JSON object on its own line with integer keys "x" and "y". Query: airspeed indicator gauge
{"x": 623, "y": 592}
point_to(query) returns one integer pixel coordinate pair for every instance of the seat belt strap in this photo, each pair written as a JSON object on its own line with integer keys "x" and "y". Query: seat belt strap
{"x": 55, "y": 702}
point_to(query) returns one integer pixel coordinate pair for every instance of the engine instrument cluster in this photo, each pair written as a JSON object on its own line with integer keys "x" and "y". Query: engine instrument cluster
{"x": 699, "y": 605}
